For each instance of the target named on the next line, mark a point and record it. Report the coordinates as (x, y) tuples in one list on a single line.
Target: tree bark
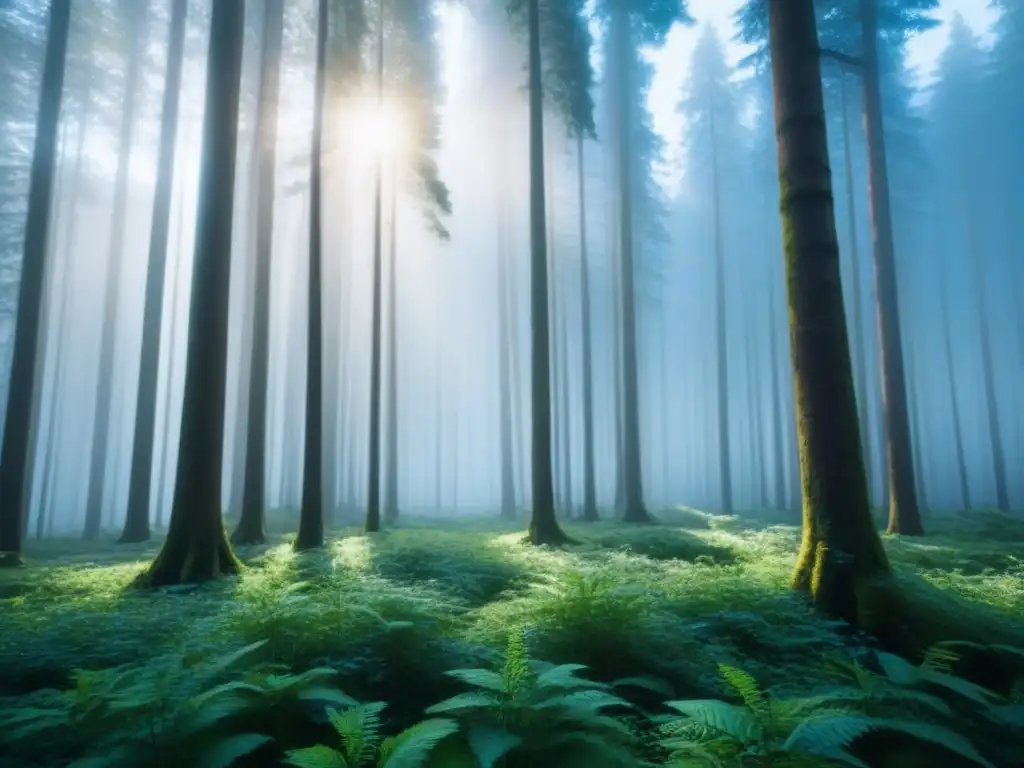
[(841, 552), (17, 434), (954, 400), (136, 524), (110, 292), (250, 529), (197, 548), (544, 527)]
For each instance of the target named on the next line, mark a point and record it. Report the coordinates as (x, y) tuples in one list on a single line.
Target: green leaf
[(465, 701), (327, 694), (737, 722), (479, 678), (824, 735), (224, 752), (899, 671), (584, 701), (412, 747), (564, 676), (316, 757), (489, 745)]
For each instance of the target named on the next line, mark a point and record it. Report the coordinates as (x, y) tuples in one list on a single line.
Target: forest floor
[(386, 616)]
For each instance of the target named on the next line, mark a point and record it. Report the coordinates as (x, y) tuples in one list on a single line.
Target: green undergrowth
[(658, 611)]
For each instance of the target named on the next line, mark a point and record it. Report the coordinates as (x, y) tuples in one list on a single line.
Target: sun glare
[(378, 128)]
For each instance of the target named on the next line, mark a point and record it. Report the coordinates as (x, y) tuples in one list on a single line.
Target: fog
[(715, 387)]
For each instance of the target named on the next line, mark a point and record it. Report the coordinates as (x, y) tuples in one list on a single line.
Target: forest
[(427, 384)]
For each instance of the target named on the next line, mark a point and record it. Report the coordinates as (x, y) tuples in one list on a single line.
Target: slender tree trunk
[(136, 524), (635, 510), (508, 490), (860, 367), (373, 490), (841, 552), (589, 481), (17, 434), (110, 292), (954, 400), (311, 517), (995, 433), (721, 337), (565, 461), (251, 528), (903, 513), (544, 527), (915, 430), (197, 548), (172, 349), (391, 478)]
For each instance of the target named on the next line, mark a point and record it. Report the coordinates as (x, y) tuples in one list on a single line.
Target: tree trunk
[(635, 510), (779, 452), (544, 527), (136, 524), (589, 481), (995, 433), (721, 336), (903, 513), (565, 461), (391, 476), (251, 529), (915, 430), (110, 292), (841, 552), (954, 400), (172, 348), (17, 435), (373, 478), (197, 548), (311, 516), (508, 480), (860, 366)]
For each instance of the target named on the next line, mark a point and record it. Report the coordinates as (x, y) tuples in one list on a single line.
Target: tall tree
[(133, 32), (250, 528), (589, 511), (311, 516), (14, 485), (391, 474), (196, 547), (136, 524), (841, 552)]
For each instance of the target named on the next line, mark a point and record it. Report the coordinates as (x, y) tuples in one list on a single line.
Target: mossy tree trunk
[(17, 438), (136, 524), (250, 528), (841, 552), (311, 515), (544, 527), (197, 548)]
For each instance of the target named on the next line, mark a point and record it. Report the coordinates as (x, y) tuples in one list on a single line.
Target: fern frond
[(225, 751), (738, 723), (936, 734), (516, 673), (465, 701), (480, 678), (939, 659), (745, 685), (316, 757), (489, 745), (564, 676), (359, 729), (412, 747)]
